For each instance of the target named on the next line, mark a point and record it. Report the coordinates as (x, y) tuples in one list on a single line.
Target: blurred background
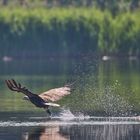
[(47, 43)]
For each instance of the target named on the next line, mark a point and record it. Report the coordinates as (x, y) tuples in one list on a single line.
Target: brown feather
[(55, 94)]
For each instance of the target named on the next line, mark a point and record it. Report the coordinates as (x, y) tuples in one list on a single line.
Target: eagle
[(43, 100)]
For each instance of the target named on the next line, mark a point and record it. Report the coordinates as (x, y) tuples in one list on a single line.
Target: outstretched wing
[(12, 85), (55, 94), (50, 95)]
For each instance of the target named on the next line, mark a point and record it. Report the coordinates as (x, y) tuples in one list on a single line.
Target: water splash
[(108, 100), (76, 120), (67, 115), (95, 92), (112, 103)]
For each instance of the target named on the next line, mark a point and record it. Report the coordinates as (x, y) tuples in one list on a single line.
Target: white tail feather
[(52, 104)]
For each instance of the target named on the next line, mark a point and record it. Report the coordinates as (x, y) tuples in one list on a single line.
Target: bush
[(69, 30)]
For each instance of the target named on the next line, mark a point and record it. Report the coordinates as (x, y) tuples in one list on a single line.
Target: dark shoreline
[(54, 55)]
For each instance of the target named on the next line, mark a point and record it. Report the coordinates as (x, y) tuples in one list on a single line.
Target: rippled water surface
[(69, 128)]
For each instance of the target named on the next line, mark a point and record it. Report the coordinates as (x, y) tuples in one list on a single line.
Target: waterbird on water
[(42, 100)]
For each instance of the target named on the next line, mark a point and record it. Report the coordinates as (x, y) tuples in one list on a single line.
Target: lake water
[(36, 127), (104, 104)]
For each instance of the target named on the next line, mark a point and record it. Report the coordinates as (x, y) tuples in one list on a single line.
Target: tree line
[(70, 30)]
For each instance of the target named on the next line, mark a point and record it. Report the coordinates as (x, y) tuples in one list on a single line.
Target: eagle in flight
[(43, 100)]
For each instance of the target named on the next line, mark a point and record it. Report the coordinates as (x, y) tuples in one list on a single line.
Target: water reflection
[(97, 91), (76, 128), (45, 133), (94, 78), (102, 132), (84, 132)]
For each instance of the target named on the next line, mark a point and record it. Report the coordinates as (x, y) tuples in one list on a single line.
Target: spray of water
[(112, 103), (95, 96), (67, 115), (100, 101)]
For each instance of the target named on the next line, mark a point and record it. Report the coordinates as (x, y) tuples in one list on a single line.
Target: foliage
[(70, 30)]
